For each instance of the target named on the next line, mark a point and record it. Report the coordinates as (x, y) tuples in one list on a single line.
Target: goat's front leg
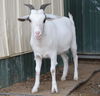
[(53, 74), (37, 76)]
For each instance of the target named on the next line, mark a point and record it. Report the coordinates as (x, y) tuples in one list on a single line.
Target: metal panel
[(75, 8), (14, 35), (24, 28), (36, 3), (86, 15), (3, 39), (11, 26), (16, 69), (91, 26)]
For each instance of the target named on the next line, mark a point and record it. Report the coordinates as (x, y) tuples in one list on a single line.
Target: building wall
[(14, 35), (86, 14)]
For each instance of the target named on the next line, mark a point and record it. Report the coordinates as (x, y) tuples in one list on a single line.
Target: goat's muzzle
[(38, 35)]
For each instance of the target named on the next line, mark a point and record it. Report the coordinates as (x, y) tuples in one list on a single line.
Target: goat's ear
[(24, 18), (51, 17), (48, 18)]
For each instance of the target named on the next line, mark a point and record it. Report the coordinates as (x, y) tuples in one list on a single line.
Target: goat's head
[(37, 19)]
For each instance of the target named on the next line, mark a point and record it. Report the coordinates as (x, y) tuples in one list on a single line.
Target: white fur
[(55, 37)]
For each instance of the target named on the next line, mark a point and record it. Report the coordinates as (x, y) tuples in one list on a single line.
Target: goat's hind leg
[(65, 68), (53, 74), (75, 58)]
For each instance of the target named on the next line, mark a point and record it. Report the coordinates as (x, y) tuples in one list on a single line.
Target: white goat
[(51, 36)]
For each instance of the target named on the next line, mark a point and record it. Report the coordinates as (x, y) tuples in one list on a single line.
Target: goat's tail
[(71, 17)]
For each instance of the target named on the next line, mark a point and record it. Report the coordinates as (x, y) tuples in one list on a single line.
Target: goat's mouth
[(38, 37)]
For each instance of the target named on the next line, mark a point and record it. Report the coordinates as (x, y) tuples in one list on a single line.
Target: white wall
[(14, 35)]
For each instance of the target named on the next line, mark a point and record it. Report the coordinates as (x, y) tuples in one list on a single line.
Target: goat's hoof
[(75, 78), (63, 78), (54, 90), (34, 90)]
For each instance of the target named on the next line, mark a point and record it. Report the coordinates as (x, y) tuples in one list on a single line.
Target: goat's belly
[(63, 46), (62, 50)]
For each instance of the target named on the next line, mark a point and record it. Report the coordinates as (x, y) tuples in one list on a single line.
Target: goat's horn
[(44, 6), (30, 6)]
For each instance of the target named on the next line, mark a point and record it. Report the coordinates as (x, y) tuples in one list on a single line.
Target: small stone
[(99, 86)]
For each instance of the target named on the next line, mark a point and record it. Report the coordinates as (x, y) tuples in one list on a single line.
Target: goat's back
[(60, 32)]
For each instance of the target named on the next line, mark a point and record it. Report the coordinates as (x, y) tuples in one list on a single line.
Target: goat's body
[(50, 39), (57, 37)]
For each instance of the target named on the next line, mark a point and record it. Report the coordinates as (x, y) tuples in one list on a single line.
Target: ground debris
[(91, 88)]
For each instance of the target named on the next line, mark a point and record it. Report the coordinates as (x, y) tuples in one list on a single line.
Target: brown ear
[(24, 18), (20, 19)]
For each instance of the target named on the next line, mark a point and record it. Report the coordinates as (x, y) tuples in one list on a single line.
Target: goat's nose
[(38, 33)]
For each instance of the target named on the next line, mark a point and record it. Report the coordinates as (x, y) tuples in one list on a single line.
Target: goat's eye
[(44, 20)]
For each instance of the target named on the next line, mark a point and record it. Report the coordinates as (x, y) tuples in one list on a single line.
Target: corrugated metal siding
[(15, 36), (3, 39), (86, 15), (91, 26), (16, 69)]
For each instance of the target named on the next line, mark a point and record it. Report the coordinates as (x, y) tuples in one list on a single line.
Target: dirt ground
[(91, 88)]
